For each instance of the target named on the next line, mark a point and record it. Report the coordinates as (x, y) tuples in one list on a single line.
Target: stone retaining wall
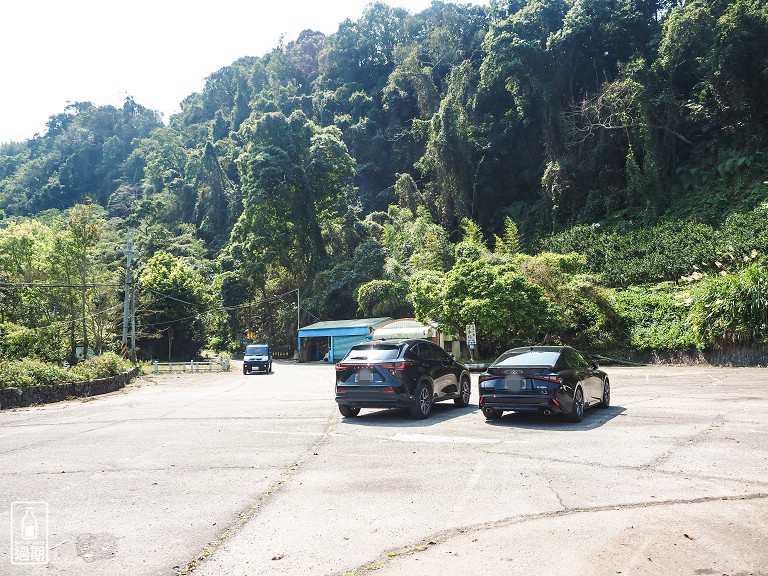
[(19, 397)]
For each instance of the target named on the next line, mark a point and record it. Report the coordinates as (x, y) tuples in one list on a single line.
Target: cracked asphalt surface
[(225, 474)]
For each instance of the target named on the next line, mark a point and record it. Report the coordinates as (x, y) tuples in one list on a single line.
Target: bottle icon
[(29, 525)]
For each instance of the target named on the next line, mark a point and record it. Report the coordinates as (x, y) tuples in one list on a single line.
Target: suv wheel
[(465, 391), (423, 405), (348, 411)]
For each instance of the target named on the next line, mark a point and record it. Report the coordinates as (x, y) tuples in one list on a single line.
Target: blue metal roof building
[(343, 334)]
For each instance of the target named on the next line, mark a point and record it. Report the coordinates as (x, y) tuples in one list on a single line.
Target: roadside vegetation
[(554, 171), (32, 372)]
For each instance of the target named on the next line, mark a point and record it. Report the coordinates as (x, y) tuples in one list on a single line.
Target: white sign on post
[(471, 335)]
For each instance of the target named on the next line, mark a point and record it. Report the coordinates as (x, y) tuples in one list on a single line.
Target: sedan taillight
[(397, 365)]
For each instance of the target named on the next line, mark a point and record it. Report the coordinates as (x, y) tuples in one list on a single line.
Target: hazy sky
[(158, 51)]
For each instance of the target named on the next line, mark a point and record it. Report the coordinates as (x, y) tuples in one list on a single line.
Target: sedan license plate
[(364, 375), (515, 383)]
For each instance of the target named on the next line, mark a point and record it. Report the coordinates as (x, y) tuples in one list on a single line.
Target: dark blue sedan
[(543, 379)]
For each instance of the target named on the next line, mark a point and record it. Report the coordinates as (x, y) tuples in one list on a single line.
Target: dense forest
[(591, 172)]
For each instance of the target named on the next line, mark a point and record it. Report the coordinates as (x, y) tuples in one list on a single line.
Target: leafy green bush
[(658, 253), (744, 236), (425, 291), (30, 372), (217, 343), (108, 364), (657, 317), (580, 239), (732, 309), (550, 270), (587, 317), (501, 302), (590, 319), (16, 341), (382, 297)]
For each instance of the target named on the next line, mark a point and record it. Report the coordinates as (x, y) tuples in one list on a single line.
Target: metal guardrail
[(190, 366)]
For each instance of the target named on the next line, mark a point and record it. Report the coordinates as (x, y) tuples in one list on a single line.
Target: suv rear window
[(527, 358), (372, 353)]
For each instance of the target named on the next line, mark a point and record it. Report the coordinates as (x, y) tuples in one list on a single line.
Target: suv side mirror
[(594, 365)]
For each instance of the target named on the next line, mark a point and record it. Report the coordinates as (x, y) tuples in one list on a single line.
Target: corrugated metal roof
[(403, 328), (403, 332), (359, 323), (402, 323)]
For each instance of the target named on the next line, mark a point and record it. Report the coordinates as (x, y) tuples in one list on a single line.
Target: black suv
[(409, 374)]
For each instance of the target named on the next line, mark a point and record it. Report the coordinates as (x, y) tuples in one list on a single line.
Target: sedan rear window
[(523, 358), (370, 353)]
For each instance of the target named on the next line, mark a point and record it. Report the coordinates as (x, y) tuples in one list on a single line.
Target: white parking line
[(421, 438)]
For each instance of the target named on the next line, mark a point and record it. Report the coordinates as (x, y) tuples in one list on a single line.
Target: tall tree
[(174, 299), (84, 227), (296, 177)]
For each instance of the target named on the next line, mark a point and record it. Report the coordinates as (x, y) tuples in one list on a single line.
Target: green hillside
[(591, 172)]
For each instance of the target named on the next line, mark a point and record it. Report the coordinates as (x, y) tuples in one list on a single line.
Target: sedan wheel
[(577, 412), (606, 401), (348, 411), (423, 405), (465, 393)]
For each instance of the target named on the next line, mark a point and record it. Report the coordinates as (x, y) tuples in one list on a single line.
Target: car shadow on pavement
[(593, 418), (400, 418)]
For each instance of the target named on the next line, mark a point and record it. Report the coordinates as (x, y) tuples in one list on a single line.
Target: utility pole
[(298, 319), (129, 306), (83, 273), (133, 322)]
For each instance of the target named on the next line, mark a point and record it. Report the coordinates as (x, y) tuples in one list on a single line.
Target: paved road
[(236, 475)]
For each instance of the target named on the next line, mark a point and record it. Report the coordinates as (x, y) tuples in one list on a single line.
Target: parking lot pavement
[(142, 481), (260, 475)]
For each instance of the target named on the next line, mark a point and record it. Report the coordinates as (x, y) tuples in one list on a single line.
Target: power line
[(220, 309), (113, 285), (63, 322), (169, 297), (51, 285)]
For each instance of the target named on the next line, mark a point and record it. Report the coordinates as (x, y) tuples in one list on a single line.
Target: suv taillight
[(553, 379)]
